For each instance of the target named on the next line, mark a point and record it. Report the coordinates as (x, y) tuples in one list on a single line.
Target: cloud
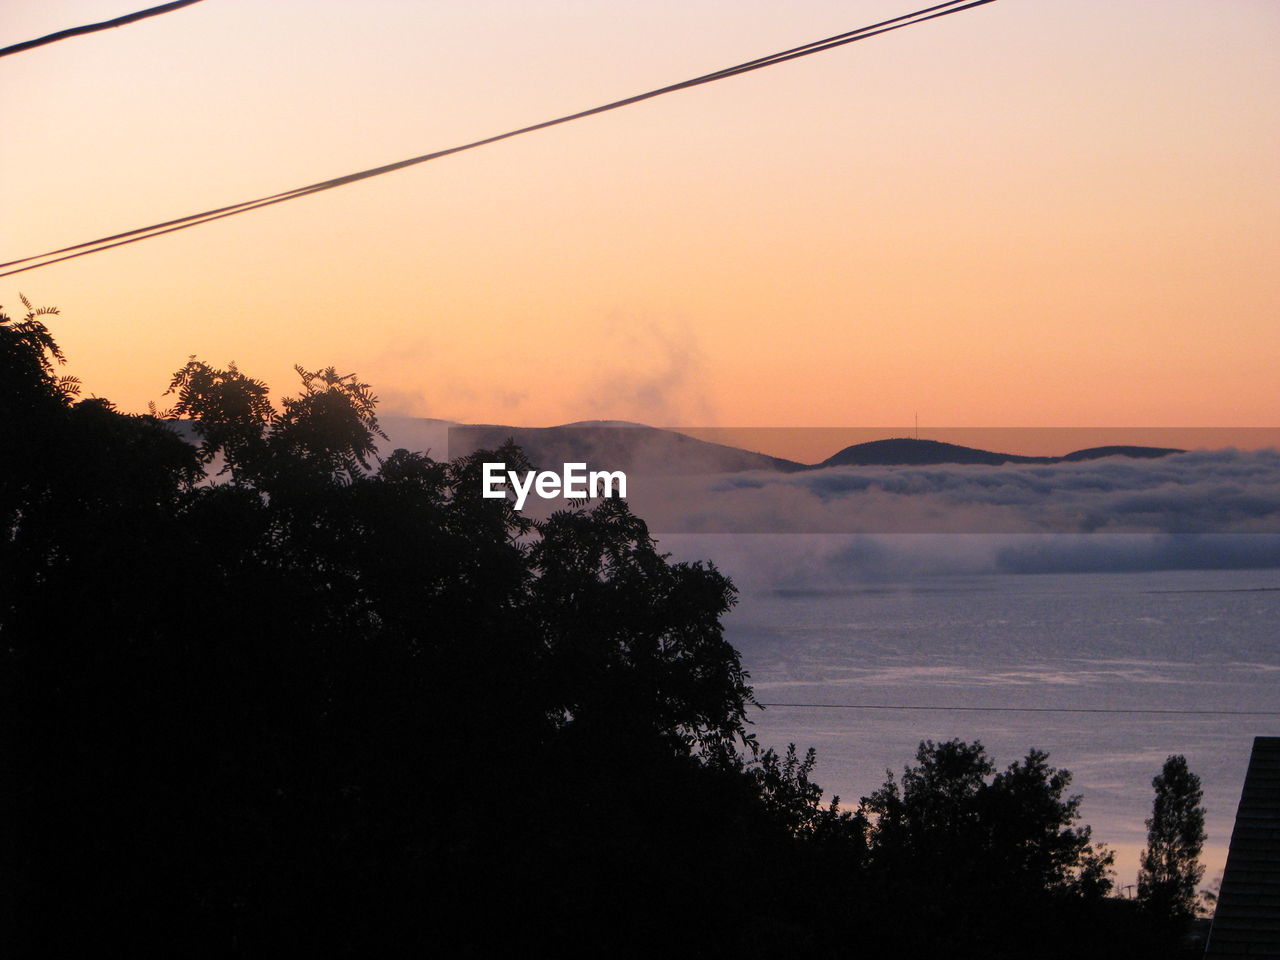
[(826, 528), (1126, 554), (654, 372), (1200, 492), (822, 562)]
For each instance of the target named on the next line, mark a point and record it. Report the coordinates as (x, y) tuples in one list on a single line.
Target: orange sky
[(1036, 213)]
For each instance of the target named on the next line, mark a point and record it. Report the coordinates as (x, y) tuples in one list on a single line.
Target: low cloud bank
[(1200, 492), (819, 562)]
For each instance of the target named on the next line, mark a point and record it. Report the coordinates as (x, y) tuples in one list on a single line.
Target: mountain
[(621, 445), (1142, 453), (616, 445), (906, 451), (635, 447)]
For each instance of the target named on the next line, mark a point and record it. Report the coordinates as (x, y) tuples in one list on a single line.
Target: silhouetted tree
[(1171, 867), (267, 691), (961, 854), (949, 813), (280, 688)]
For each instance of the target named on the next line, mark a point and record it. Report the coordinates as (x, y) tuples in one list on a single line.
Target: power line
[(95, 27), (218, 213), (1110, 710)]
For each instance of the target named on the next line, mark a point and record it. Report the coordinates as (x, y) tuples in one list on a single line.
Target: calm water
[(1170, 640)]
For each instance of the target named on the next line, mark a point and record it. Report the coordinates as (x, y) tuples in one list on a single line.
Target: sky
[(1032, 214), (1038, 214)]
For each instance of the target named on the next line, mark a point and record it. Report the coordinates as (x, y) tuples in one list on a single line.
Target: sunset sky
[(1037, 213)]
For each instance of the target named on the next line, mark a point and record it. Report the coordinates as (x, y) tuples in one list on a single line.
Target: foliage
[(37, 347), (276, 677), (1171, 867), (272, 691), (987, 857)]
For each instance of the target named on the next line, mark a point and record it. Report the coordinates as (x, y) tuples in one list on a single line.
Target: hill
[(635, 447), (617, 445), (905, 451)]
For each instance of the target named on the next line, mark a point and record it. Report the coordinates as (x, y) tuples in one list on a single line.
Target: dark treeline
[(265, 691)]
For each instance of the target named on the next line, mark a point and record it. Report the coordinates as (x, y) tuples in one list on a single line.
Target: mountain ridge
[(626, 445), (622, 445)]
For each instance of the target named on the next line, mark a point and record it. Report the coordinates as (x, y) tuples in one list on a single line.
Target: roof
[(1247, 920)]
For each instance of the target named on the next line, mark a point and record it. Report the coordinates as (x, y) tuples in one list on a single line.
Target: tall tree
[(1171, 866)]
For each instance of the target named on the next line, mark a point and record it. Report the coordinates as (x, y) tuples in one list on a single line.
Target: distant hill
[(634, 447), (1142, 453), (907, 451), (620, 445), (616, 445)]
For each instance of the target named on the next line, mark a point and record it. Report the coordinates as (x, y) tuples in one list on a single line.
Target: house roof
[(1247, 920)]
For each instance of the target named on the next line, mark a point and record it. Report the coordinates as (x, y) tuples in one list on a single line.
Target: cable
[(891, 706), (170, 226), (95, 27), (218, 213)]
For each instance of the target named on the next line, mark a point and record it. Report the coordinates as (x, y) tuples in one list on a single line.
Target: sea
[(1186, 641)]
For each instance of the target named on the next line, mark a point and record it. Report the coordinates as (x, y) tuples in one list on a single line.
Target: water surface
[(1183, 640)]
